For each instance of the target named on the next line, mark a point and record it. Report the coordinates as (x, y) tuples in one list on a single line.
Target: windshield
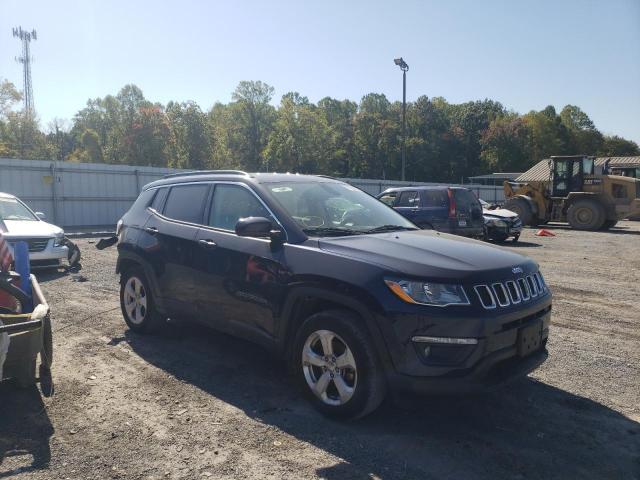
[(328, 208), (13, 209)]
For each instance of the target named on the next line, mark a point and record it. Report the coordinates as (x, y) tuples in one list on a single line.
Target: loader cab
[(568, 174)]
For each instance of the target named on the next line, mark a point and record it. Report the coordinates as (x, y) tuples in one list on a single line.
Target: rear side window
[(389, 198), (185, 202), (436, 198), (161, 193), (409, 199), (231, 203)]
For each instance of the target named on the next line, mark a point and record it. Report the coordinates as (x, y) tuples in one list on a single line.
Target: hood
[(431, 255), (30, 229), (499, 213)]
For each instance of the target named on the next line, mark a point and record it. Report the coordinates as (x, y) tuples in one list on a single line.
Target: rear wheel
[(522, 208), (336, 365), (586, 214), (136, 302)]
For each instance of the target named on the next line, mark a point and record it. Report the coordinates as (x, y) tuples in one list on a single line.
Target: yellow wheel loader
[(577, 192)]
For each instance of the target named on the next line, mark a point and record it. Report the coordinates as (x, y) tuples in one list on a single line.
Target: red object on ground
[(6, 259), (545, 233)]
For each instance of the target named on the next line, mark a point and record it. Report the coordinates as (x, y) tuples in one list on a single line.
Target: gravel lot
[(192, 403)]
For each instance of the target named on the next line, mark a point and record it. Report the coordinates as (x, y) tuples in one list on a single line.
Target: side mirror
[(259, 227), (41, 215)]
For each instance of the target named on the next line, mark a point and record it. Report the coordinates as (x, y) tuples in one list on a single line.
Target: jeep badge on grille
[(517, 270)]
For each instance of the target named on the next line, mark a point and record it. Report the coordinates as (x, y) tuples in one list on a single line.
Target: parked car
[(499, 223), (354, 296), (446, 209), (47, 244)]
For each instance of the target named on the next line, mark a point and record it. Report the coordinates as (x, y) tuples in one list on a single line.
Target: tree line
[(445, 142)]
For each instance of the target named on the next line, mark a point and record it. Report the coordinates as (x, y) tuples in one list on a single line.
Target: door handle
[(151, 230), (207, 243)]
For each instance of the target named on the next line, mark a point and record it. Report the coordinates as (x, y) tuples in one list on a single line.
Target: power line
[(25, 59)]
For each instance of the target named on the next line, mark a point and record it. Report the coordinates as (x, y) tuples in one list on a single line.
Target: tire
[(46, 353), (521, 206), (586, 214), (608, 224), (136, 302), (362, 380), (516, 238)]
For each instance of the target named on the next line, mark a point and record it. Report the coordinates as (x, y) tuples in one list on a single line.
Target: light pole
[(404, 67)]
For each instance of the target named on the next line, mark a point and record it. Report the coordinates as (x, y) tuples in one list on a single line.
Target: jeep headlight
[(428, 293), (58, 239)]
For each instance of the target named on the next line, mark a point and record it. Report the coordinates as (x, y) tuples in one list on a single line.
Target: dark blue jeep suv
[(352, 294)]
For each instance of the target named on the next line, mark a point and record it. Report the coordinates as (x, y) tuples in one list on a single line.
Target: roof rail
[(207, 172), (327, 176)]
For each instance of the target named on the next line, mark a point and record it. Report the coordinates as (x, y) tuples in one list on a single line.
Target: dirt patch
[(192, 403)]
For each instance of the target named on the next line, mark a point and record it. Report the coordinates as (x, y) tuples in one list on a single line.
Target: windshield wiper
[(331, 231), (389, 228)]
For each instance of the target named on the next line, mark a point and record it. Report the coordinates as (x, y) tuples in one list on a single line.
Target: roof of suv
[(236, 175)]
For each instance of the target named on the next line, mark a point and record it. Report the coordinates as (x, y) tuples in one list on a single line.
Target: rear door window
[(436, 198), (409, 199), (185, 202)]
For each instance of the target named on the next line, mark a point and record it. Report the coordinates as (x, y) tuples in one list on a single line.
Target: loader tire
[(586, 214), (522, 208)]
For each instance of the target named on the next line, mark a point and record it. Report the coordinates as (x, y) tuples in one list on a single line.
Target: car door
[(168, 243), (244, 278), (408, 204)]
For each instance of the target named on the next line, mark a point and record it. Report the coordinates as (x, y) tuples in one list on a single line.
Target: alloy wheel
[(329, 367), (135, 300)]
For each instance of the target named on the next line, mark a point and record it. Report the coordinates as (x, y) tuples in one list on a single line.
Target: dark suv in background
[(447, 209), (353, 295)]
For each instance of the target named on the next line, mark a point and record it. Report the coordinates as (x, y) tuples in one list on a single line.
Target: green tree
[(9, 96), (301, 138), (192, 136), (585, 138), (504, 145), (615, 146)]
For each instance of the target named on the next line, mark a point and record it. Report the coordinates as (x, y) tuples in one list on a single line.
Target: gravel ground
[(192, 403)]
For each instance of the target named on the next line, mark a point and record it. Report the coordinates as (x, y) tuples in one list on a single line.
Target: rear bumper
[(451, 226)]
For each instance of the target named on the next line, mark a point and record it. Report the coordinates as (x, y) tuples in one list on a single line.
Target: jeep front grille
[(511, 292)]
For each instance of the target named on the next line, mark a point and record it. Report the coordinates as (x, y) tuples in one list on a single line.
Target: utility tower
[(25, 59)]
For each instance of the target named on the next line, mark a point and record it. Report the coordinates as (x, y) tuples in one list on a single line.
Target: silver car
[(19, 223)]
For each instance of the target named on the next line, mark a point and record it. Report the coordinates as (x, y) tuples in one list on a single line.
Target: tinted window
[(156, 204), (409, 199), (436, 198), (231, 203), (465, 199), (185, 202), (389, 198)]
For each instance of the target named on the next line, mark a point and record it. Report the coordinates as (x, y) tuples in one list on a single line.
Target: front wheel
[(586, 214), (337, 367), (136, 302)]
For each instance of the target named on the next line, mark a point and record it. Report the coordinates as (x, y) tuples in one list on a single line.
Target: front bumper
[(494, 360), (510, 230), (50, 256)]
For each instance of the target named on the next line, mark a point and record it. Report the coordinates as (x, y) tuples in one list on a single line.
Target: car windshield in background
[(328, 208), (12, 209)]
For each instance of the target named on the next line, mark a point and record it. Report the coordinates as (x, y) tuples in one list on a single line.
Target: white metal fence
[(89, 195)]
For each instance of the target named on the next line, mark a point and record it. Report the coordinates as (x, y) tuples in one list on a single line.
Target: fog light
[(445, 340)]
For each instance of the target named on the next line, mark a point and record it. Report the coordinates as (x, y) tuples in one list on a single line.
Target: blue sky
[(524, 54)]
